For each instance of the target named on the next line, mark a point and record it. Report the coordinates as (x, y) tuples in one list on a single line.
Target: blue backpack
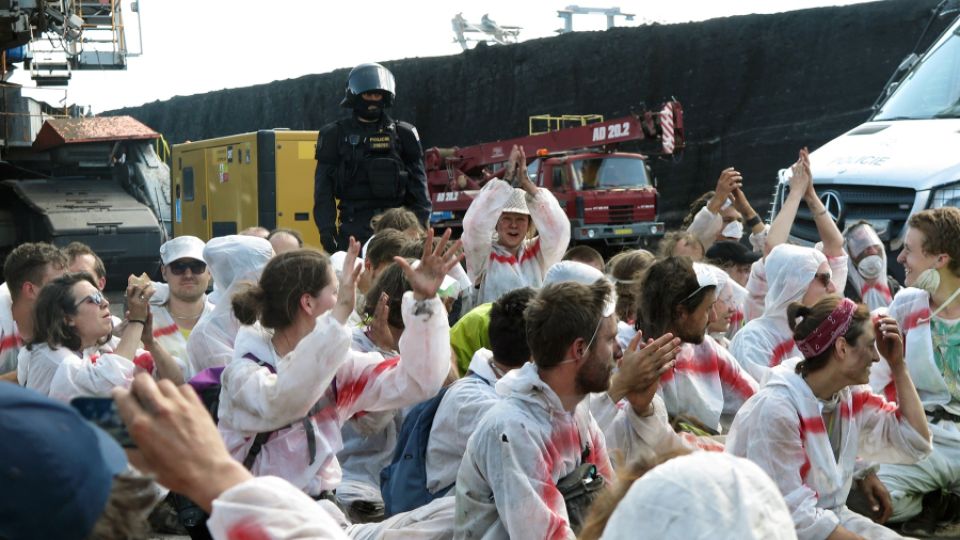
[(403, 483)]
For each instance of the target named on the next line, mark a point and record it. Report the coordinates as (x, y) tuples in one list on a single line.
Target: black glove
[(329, 241)]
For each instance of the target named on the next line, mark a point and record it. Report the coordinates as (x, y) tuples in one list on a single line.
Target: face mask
[(362, 109), (734, 229), (871, 267), (929, 280)]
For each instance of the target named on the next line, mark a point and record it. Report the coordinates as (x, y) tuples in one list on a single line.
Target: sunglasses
[(179, 267), (823, 278), (96, 299)]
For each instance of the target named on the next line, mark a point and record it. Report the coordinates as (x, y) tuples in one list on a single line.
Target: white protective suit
[(908, 483), (507, 482), (458, 415), (369, 440), (767, 341), (10, 340), (63, 374), (496, 269), (269, 507), (233, 260), (706, 226), (706, 384), (167, 332), (702, 496), (322, 377), (875, 293), (781, 428)]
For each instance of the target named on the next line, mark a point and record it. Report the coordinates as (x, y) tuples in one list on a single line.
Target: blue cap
[(56, 469)]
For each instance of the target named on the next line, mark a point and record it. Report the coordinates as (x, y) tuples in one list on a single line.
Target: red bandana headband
[(829, 330)]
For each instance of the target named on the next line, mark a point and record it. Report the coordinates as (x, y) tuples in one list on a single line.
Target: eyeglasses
[(179, 267), (823, 278), (96, 299)]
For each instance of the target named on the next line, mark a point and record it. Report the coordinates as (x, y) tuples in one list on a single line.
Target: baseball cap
[(732, 252), (56, 468), (517, 204), (182, 247)]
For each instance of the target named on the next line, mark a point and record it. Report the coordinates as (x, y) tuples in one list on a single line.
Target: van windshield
[(609, 172), (932, 89)]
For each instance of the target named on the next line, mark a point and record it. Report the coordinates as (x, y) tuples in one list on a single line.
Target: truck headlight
[(948, 195)]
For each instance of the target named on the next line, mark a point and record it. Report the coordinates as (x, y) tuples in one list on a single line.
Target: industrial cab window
[(188, 187)]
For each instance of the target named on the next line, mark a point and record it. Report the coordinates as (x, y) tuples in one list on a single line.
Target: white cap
[(580, 273), (336, 260), (182, 247), (517, 204)]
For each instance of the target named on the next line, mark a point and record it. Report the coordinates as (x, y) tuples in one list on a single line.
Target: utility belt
[(942, 414)]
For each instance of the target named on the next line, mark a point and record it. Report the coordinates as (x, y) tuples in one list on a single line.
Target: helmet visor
[(371, 78)]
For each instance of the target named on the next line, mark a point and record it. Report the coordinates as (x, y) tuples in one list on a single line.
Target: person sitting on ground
[(867, 279), (729, 314), (722, 214), (788, 274), (585, 254), (293, 380), (284, 240), (67, 356), (381, 249), (63, 477), (626, 270), (499, 255), (810, 423), (468, 400), (175, 316), (260, 232), (27, 269), (398, 219), (706, 386), (680, 244), (724, 498), (234, 260), (925, 495), (542, 431), (733, 258)]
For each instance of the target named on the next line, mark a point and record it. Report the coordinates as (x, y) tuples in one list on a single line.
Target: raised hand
[(801, 181), (729, 181), (138, 301), (889, 341), (378, 330), (347, 292), (435, 262)]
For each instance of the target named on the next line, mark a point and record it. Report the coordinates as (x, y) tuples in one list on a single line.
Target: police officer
[(369, 162)]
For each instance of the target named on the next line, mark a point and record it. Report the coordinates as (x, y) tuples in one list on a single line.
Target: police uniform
[(368, 167)]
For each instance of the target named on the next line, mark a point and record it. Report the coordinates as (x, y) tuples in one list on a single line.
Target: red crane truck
[(610, 197)]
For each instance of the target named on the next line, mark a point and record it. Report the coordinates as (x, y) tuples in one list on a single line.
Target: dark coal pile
[(755, 88)]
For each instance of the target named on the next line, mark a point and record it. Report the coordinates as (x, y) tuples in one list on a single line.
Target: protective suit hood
[(789, 271), (233, 258)]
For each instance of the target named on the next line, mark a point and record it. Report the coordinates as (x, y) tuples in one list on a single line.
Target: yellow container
[(222, 186)]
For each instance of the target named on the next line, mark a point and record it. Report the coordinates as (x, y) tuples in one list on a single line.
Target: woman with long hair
[(72, 354), (807, 426), (293, 380)]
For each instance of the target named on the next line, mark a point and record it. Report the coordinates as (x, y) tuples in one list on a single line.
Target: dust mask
[(734, 229), (871, 267), (929, 280)]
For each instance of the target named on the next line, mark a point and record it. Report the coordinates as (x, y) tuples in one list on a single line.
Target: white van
[(906, 158)]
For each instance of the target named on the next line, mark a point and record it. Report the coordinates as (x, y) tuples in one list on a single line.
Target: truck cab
[(904, 159), (609, 197)]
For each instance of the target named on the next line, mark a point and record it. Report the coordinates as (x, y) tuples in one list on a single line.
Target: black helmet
[(369, 78)]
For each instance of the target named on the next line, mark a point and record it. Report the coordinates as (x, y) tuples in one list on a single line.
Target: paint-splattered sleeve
[(552, 225), (367, 382), (479, 224)]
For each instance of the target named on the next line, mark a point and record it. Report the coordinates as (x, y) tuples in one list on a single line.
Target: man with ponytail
[(926, 494), (808, 425)]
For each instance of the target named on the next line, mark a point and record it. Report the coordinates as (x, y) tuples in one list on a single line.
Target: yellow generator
[(225, 185)]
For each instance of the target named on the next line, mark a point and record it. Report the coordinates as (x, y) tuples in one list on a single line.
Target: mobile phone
[(103, 413)]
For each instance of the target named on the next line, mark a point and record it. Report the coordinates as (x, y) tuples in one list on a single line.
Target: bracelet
[(820, 213), (137, 320), (754, 221)]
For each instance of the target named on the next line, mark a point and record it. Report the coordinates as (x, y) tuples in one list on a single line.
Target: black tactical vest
[(371, 168)]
